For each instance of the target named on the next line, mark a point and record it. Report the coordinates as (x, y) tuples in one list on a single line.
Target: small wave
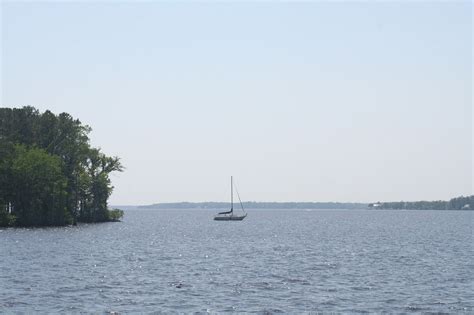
[(11, 304), (298, 281), (414, 308), (272, 311), (263, 285), (362, 288)]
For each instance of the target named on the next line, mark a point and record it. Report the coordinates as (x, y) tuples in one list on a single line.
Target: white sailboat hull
[(230, 217)]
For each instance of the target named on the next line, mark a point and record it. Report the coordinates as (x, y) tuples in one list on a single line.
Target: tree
[(49, 173), (39, 188), (98, 167)]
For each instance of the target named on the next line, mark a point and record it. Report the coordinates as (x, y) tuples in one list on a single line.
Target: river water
[(289, 261)]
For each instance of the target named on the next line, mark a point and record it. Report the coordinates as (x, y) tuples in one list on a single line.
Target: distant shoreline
[(256, 205), (149, 208), (459, 203)]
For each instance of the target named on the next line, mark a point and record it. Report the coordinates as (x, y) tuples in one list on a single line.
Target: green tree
[(39, 184), (49, 173), (99, 187)]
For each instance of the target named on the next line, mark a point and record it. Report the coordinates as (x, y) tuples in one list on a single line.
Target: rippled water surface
[(288, 261)]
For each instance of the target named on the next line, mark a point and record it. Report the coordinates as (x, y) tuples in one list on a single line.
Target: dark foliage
[(459, 203), (49, 173)]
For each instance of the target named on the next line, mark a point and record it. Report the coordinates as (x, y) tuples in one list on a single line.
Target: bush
[(115, 214), (7, 219)]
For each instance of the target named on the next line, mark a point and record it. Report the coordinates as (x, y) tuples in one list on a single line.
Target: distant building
[(466, 207), (375, 205)]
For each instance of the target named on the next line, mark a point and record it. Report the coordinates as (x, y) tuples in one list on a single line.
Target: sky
[(299, 101)]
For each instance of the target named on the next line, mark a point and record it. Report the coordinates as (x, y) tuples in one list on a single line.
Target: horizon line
[(252, 201)]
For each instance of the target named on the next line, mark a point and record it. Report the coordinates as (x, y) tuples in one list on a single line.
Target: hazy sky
[(312, 101)]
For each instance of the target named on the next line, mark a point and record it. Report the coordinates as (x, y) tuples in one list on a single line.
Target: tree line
[(458, 203), (258, 205), (49, 173)]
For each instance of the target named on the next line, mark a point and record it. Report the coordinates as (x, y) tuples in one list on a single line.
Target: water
[(273, 261)]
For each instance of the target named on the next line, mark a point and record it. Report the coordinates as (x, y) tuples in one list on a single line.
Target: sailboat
[(229, 215)]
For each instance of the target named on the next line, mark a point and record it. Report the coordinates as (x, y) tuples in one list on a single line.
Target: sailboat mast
[(231, 195)]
